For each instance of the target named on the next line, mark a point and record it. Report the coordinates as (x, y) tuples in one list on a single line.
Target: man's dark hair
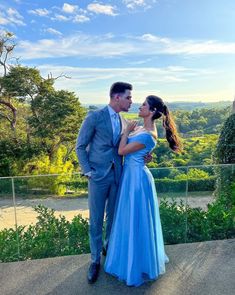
[(119, 87)]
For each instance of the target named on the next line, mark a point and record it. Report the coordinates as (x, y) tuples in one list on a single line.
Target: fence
[(183, 193)]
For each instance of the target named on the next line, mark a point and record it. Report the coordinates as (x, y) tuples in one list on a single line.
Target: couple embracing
[(112, 154)]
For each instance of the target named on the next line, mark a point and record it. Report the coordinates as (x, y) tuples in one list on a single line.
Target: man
[(97, 151)]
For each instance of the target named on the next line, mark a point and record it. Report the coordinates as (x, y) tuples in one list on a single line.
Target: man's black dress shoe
[(93, 272)]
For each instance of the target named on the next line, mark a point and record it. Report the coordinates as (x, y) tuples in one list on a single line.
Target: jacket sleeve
[(85, 136)]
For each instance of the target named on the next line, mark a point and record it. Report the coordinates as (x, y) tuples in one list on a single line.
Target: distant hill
[(179, 105)]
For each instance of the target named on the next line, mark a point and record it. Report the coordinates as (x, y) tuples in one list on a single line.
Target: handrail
[(157, 168)]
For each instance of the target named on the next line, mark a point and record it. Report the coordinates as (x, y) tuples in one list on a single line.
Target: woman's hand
[(130, 126)]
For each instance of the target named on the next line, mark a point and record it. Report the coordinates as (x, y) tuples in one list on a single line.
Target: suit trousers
[(101, 199)]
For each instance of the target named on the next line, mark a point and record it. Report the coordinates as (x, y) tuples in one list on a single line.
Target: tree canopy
[(35, 118)]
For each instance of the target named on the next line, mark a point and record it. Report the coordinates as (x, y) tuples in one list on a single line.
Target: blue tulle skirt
[(136, 250)]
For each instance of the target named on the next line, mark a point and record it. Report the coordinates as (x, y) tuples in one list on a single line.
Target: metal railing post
[(186, 205), (16, 226)]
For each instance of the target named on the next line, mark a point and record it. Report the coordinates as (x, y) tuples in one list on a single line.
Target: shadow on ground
[(197, 268)]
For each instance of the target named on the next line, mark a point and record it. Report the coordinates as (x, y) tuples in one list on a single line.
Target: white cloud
[(109, 46), (40, 12), (80, 18), (153, 38), (92, 84), (53, 32), (203, 47), (75, 45), (68, 8), (12, 17), (102, 9), (140, 62), (61, 17), (3, 20), (134, 4), (158, 45), (84, 76)]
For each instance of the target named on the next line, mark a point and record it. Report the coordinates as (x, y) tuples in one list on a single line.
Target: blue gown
[(136, 249)]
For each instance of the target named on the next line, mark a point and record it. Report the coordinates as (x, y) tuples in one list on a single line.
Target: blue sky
[(177, 49)]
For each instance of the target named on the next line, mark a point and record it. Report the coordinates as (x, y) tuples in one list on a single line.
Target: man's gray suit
[(97, 153)]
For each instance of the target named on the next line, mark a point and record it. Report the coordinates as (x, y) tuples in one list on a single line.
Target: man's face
[(124, 100)]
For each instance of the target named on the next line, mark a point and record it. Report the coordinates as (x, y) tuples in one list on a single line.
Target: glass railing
[(47, 215)]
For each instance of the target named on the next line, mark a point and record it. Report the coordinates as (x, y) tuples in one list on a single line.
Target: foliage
[(49, 237), (44, 166), (35, 118), (56, 116), (195, 122), (46, 119), (52, 236), (8, 111), (193, 173), (14, 155), (182, 223), (179, 179), (173, 220), (179, 185), (77, 183), (225, 154), (225, 149), (201, 121), (196, 151), (25, 83)]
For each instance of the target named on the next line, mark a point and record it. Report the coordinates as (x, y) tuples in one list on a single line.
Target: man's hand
[(88, 175), (148, 158)]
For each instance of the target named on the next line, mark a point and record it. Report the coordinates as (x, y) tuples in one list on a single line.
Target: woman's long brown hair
[(157, 105)]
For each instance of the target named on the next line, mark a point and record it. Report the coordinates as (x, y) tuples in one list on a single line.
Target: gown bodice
[(137, 158)]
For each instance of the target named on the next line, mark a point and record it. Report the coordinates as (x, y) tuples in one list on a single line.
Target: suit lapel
[(122, 128), (107, 122)]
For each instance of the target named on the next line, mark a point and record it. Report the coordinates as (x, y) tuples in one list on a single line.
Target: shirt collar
[(111, 111)]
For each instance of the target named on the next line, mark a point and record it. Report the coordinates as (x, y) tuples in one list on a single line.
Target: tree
[(225, 150), (225, 154), (46, 119), (7, 109), (56, 118)]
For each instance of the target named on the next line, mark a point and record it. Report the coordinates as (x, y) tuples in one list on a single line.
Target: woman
[(136, 249)]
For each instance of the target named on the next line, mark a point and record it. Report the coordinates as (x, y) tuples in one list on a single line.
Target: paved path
[(26, 214), (195, 269)]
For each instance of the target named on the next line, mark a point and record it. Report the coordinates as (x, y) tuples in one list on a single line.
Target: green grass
[(130, 116)]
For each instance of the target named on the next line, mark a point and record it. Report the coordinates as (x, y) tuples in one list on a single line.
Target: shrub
[(193, 173), (225, 154), (52, 236), (194, 185), (182, 223), (173, 220), (49, 237), (5, 186), (43, 165)]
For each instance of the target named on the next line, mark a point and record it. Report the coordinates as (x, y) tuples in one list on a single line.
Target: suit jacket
[(95, 148)]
